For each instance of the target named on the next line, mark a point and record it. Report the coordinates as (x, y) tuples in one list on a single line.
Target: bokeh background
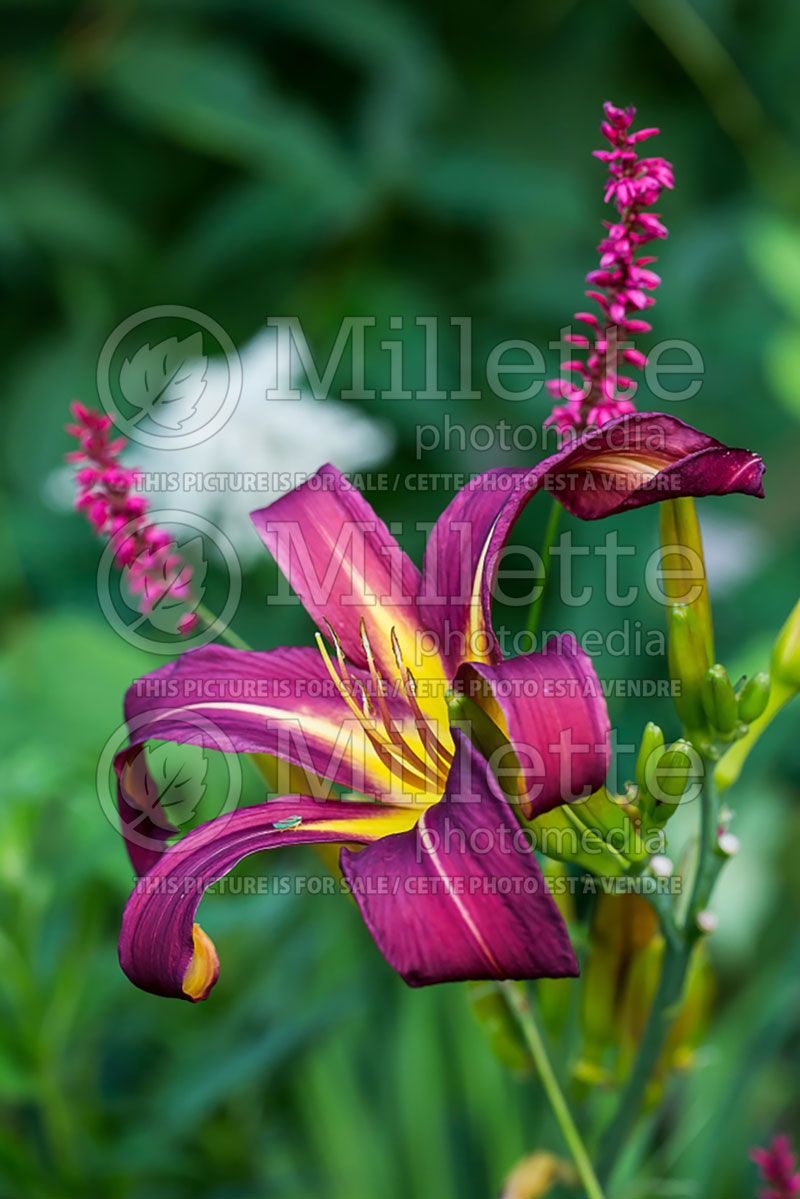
[(266, 157)]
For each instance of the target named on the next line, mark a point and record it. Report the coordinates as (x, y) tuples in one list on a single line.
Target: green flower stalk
[(764, 697)]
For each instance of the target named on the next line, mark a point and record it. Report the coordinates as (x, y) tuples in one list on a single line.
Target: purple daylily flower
[(432, 851)]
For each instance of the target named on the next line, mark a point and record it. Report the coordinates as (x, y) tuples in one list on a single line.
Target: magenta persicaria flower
[(428, 814), (597, 389), (778, 1166), (105, 493)]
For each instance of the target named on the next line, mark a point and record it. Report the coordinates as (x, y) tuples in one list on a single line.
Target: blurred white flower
[(734, 550), (280, 442)]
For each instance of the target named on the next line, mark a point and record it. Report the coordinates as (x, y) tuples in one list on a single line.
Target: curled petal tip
[(203, 970)]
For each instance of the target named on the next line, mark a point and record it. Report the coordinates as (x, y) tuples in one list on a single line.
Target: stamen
[(427, 732), (393, 732), (425, 769), (392, 756)]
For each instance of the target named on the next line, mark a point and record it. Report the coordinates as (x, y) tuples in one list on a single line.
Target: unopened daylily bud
[(683, 564), (671, 776), (597, 834), (754, 697), (635, 1000), (649, 752), (622, 927), (688, 663), (719, 701), (786, 654), (687, 1030)]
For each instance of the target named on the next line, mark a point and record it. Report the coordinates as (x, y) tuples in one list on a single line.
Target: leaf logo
[(173, 788), (167, 611), (165, 382), (167, 607)]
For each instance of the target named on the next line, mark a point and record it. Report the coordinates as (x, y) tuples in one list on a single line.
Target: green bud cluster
[(663, 773), (710, 709)]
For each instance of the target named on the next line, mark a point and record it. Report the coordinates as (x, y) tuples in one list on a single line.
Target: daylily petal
[(281, 702), (632, 461), (646, 457), (161, 949), (145, 826), (347, 568), (461, 895), (552, 709)]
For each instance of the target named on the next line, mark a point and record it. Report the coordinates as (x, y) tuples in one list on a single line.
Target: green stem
[(550, 533), (216, 626), (520, 1005), (680, 941), (708, 862)]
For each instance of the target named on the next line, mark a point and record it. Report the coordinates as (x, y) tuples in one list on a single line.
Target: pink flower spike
[(80, 412), (620, 284), (105, 494), (778, 1166)]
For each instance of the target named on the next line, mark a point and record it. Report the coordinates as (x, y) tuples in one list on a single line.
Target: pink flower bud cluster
[(105, 494), (778, 1166), (595, 390)]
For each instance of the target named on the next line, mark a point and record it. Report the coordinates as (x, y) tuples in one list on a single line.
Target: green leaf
[(60, 213), (213, 97)]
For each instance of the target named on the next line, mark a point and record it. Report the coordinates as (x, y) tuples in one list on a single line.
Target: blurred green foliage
[(272, 157)]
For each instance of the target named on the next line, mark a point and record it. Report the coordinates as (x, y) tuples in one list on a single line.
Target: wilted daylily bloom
[(432, 850)]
